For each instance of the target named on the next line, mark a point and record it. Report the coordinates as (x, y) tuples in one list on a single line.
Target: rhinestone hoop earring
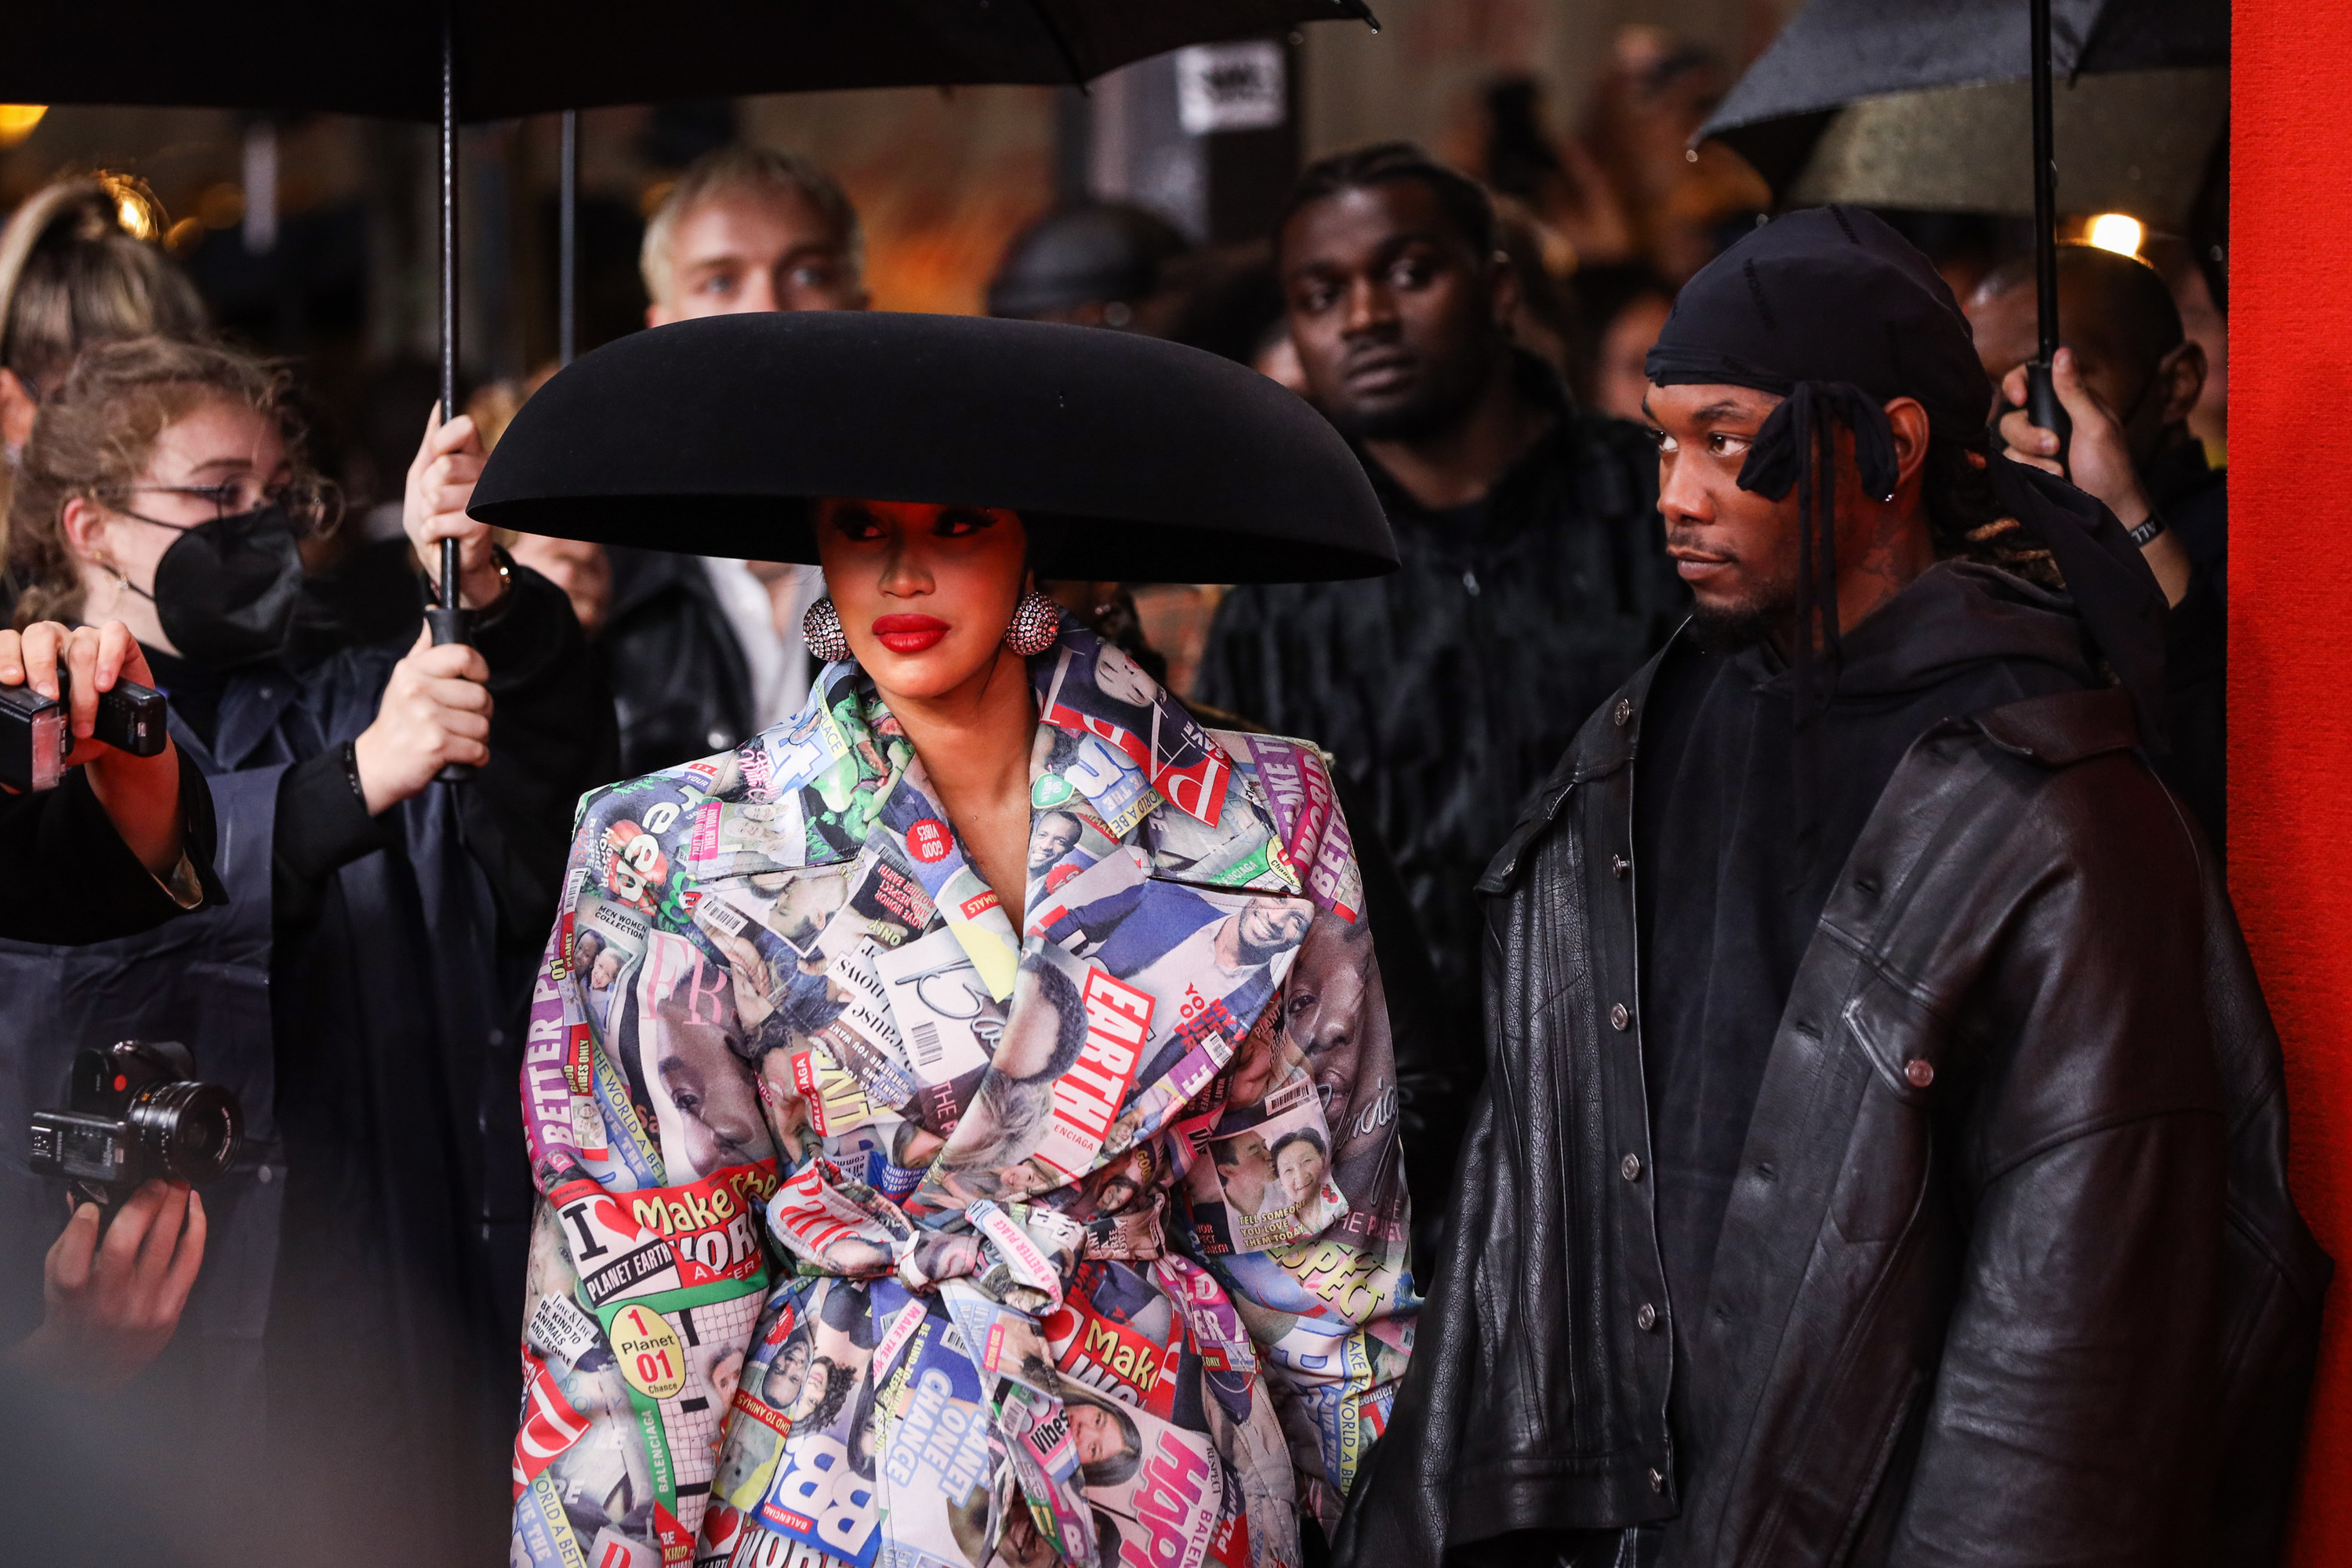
[(820, 629), (1036, 624)]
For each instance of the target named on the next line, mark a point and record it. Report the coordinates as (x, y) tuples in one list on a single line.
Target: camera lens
[(187, 1131)]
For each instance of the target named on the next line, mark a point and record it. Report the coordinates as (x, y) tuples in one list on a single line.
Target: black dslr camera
[(36, 733), (136, 1113)]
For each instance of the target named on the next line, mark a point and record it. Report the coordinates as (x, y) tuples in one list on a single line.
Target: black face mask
[(226, 590)]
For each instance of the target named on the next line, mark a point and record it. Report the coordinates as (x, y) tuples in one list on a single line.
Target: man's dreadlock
[(1966, 524)]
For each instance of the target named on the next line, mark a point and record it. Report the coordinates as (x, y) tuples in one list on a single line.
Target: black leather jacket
[(2010, 1274), (680, 687), (1446, 691)]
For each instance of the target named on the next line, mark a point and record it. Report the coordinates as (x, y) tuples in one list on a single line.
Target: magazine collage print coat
[(873, 1231)]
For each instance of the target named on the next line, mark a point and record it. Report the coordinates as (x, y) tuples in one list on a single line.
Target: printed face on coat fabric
[(1053, 835), (1122, 679), (755, 248), (1046, 1028), (1299, 1163), (818, 1392), (925, 592), (1116, 1195), (1246, 1170), (801, 914), (1265, 928), (722, 1368), (1324, 1012), (1398, 320), (1108, 1444), (788, 1378), (1043, 1036), (688, 1044)]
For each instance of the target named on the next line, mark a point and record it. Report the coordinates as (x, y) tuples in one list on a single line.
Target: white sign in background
[(1230, 87)]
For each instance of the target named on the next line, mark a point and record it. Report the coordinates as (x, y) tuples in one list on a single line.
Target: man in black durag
[(1882, 1155)]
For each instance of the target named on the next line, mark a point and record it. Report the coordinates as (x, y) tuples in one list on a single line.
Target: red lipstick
[(909, 634)]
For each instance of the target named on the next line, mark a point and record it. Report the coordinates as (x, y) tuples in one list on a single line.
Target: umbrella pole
[(446, 618), (2042, 393), (567, 244)]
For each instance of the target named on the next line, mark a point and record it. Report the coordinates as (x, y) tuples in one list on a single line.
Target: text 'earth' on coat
[(871, 1224)]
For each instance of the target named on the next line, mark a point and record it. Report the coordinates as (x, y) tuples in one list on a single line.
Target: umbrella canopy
[(1167, 463), (493, 61), (1841, 52), (2139, 143), (529, 57)]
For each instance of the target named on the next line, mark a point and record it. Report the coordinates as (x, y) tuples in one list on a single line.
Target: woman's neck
[(106, 597), (974, 741)]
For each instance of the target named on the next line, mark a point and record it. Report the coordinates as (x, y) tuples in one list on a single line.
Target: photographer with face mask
[(354, 992)]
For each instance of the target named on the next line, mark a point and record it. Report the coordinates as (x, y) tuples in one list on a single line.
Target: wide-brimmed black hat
[(1157, 462)]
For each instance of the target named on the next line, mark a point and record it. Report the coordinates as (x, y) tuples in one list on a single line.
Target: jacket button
[(1920, 1071), (1623, 713), (1619, 1019), (1619, 865), (1657, 1480), (1632, 1166), (1646, 1317)]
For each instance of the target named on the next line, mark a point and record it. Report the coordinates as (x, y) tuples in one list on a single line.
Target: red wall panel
[(2290, 631)]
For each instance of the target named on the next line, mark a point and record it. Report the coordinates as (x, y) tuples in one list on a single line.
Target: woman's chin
[(934, 671)]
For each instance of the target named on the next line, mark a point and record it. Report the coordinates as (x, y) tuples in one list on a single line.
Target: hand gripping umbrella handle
[(2041, 407), (448, 624)]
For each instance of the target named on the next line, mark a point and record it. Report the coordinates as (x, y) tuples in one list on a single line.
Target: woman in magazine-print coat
[(898, 1214)]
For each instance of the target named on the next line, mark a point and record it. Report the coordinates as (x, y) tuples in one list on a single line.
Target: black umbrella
[(1838, 51), (1146, 460), (535, 57), (497, 61)]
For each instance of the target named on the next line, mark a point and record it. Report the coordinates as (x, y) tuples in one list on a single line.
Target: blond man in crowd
[(702, 652)]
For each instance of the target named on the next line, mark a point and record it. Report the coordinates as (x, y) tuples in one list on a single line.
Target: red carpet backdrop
[(2291, 635)]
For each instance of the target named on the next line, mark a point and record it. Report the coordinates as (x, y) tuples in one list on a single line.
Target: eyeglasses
[(309, 503)]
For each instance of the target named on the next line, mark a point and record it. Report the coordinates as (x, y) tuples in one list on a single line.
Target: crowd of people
[(1839, 1194)]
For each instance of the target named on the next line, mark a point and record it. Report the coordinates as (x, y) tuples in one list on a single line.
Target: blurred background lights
[(2114, 231), (18, 120), (134, 203)]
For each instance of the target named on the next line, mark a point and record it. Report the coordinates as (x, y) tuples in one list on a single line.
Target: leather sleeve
[(68, 878), (2074, 1410), (551, 739)]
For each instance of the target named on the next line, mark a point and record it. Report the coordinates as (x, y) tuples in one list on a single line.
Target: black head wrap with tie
[(1837, 314)]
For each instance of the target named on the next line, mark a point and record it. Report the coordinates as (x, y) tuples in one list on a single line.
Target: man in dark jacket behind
[(1882, 1154), (2128, 375), (1533, 581)]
